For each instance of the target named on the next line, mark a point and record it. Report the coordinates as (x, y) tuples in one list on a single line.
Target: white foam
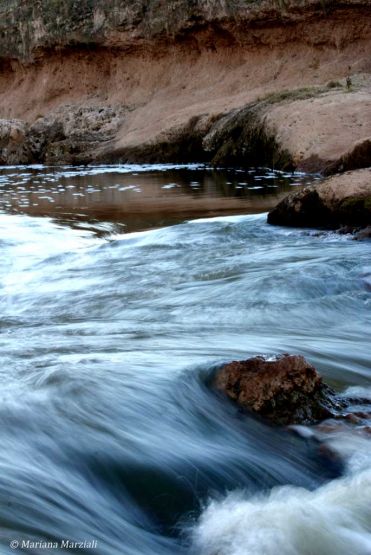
[(135, 169), (358, 392), (334, 520), (231, 219)]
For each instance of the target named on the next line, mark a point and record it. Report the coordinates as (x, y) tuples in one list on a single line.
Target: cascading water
[(109, 431)]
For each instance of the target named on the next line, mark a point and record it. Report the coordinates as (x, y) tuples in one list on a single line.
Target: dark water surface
[(141, 197), (108, 429)]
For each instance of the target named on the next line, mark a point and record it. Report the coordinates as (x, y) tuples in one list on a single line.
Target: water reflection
[(141, 197)]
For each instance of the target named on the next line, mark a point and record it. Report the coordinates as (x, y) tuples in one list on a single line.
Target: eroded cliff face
[(279, 83)]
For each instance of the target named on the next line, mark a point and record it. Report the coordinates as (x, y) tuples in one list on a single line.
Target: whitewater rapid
[(109, 430), (334, 519)]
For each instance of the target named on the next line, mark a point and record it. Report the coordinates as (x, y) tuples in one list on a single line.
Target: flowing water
[(116, 306)]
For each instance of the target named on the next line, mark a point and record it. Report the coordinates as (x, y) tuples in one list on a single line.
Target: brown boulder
[(340, 200), (285, 390)]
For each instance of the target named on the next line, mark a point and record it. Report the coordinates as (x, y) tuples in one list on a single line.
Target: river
[(122, 288)]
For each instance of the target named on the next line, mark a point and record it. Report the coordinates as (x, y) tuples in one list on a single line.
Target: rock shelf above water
[(341, 200)]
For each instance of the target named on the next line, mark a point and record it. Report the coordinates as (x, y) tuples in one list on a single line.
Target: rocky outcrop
[(363, 234), (341, 200), (286, 84), (13, 148), (285, 390), (71, 134)]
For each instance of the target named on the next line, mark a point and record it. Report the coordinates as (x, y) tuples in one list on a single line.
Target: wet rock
[(285, 390), (353, 419), (363, 234), (341, 200), (345, 230)]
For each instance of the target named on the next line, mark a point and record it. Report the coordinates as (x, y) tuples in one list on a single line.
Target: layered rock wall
[(227, 81)]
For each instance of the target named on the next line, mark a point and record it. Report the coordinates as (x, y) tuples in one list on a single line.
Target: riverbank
[(285, 85)]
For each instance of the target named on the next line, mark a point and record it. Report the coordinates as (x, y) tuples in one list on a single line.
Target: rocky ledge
[(339, 202), (284, 390)]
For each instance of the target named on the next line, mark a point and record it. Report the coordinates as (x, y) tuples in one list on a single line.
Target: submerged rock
[(341, 200), (285, 390)]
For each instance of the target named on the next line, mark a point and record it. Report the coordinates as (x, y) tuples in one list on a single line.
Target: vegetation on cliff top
[(26, 27)]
